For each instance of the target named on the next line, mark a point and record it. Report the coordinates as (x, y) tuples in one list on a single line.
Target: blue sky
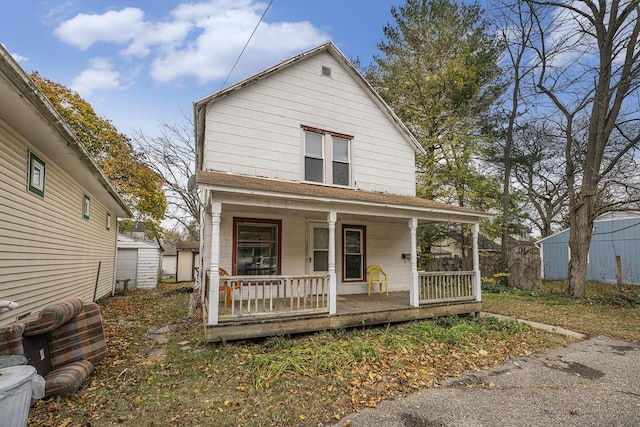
[(139, 62)]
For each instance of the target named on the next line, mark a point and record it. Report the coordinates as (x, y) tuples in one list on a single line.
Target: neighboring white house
[(307, 178), (139, 262), (58, 212)]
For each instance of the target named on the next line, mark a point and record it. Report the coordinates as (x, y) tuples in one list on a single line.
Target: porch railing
[(445, 286), (272, 295)]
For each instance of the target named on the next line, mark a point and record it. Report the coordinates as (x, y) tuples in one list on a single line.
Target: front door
[(318, 259)]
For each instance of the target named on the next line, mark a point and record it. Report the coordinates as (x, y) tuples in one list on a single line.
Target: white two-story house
[(307, 178)]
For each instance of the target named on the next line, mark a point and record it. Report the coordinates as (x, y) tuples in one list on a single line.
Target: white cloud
[(157, 36), (84, 30), (212, 54), (200, 40), (100, 76)]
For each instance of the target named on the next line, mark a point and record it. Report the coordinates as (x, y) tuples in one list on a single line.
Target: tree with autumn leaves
[(139, 186)]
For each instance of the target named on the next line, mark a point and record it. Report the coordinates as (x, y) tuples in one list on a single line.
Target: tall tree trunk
[(581, 225)]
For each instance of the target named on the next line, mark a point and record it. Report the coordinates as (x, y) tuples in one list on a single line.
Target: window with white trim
[(327, 157), (353, 252), (86, 207), (36, 175)]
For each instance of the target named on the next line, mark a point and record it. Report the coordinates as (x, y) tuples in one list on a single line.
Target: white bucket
[(15, 395)]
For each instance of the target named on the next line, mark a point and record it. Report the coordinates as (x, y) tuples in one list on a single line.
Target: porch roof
[(239, 184)]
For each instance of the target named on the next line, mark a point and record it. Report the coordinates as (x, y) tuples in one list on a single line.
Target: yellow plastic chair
[(375, 275)]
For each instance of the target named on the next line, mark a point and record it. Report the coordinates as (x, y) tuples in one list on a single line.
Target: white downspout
[(11, 305), (541, 260)]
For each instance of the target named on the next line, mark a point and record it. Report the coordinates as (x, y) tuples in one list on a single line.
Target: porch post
[(214, 286), (414, 292), (331, 294), (475, 228)]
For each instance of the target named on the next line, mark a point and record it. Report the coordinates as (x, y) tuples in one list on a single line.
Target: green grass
[(608, 309)]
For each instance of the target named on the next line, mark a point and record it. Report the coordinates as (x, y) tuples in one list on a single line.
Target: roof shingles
[(276, 187)]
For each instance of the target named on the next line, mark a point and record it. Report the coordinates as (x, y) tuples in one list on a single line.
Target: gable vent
[(326, 71)]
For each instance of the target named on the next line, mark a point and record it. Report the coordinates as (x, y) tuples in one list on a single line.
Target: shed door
[(127, 266)]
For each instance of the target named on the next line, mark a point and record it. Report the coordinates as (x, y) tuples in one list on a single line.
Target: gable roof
[(128, 242), (29, 112), (199, 107)]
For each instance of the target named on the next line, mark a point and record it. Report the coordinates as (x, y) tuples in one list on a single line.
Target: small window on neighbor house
[(86, 207), (108, 225), (326, 71), (36, 175)]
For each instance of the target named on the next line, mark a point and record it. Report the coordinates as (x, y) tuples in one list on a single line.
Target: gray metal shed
[(613, 235)]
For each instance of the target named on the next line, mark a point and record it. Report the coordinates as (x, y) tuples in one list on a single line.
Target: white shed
[(137, 261)]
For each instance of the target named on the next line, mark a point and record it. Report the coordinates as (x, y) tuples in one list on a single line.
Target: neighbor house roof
[(187, 245), (131, 242), (200, 105), (270, 187), (28, 111)]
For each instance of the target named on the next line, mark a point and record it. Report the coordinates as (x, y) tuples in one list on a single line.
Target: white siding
[(148, 260), (385, 244), (186, 262), (139, 262), (256, 131), (48, 252), (169, 265)]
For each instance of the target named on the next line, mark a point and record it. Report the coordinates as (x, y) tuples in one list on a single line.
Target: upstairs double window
[(327, 157)]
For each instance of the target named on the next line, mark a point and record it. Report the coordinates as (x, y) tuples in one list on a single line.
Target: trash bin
[(15, 394)]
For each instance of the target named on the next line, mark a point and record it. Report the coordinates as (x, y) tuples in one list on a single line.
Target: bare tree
[(516, 27), (538, 166), (171, 155), (589, 71)]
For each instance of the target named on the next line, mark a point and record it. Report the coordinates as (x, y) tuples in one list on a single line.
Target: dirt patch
[(154, 354)]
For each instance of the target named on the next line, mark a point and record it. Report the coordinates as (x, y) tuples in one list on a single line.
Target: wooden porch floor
[(351, 311)]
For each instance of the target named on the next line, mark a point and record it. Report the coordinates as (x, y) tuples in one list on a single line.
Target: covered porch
[(308, 269)]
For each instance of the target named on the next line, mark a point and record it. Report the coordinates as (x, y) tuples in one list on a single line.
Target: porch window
[(327, 157), (353, 250), (256, 246), (320, 249)]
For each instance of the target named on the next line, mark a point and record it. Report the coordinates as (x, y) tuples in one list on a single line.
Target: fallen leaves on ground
[(307, 380)]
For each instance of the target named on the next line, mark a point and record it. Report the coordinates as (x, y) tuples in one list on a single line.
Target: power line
[(246, 44)]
